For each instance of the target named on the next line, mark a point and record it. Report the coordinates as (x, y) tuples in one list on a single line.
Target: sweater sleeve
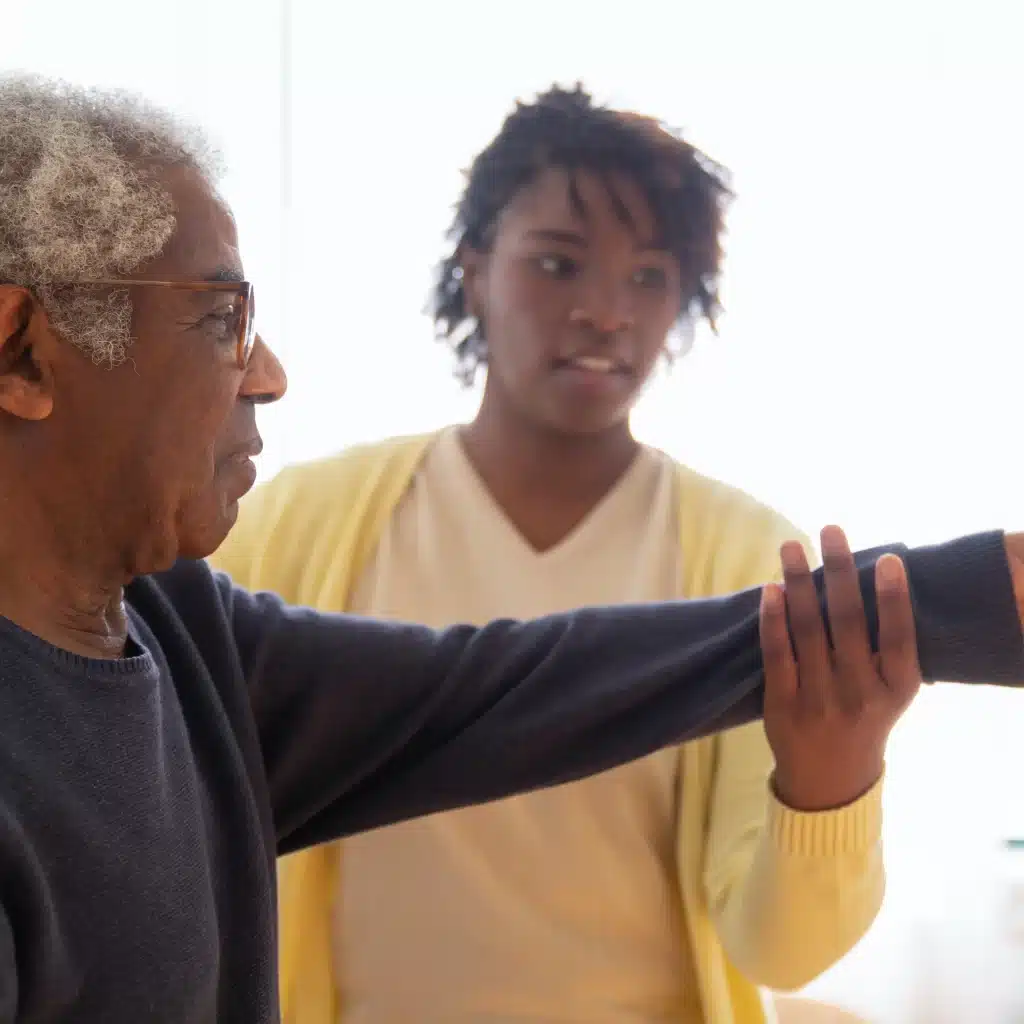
[(790, 893), (364, 723), (8, 973)]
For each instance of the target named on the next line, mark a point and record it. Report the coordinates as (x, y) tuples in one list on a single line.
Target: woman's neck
[(545, 481)]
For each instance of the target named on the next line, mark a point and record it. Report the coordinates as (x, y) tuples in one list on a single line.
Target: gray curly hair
[(81, 199)]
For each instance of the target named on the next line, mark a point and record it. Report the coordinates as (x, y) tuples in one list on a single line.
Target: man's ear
[(26, 377)]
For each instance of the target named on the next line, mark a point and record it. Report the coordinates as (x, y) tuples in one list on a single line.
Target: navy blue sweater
[(143, 801)]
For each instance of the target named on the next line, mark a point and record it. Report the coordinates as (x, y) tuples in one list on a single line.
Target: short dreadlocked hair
[(563, 128)]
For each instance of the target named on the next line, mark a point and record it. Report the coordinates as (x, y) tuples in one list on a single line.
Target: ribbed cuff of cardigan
[(852, 829)]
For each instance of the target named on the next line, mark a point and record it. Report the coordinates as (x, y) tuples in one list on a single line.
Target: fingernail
[(890, 572), (833, 541), (771, 596), (792, 554)]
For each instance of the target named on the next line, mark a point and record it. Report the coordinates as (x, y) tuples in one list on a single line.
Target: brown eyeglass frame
[(246, 322)]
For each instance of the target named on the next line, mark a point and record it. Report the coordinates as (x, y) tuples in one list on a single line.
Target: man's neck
[(71, 603)]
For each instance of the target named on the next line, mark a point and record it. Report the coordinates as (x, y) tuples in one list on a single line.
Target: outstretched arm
[(365, 723)]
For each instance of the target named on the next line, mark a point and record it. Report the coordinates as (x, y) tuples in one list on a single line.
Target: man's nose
[(265, 380)]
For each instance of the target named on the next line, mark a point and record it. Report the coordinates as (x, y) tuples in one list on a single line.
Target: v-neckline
[(591, 520)]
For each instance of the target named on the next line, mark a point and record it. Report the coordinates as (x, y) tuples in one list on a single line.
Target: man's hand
[(828, 711), (1015, 554)]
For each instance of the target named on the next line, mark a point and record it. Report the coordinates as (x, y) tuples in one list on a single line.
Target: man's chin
[(203, 541)]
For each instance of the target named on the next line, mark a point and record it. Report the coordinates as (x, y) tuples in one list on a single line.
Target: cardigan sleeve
[(789, 893)]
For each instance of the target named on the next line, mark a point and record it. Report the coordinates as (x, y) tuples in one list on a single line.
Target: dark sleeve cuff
[(968, 626)]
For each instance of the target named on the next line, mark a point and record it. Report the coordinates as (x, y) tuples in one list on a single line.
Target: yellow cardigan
[(775, 893)]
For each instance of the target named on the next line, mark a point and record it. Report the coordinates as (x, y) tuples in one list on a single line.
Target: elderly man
[(166, 735)]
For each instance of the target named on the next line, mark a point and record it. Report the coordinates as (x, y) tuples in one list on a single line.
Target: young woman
[(587, 242)]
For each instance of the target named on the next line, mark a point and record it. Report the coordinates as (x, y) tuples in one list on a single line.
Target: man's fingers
[(810, 642), (1015, 555), (851, 647), (780, 672), (897, 637)]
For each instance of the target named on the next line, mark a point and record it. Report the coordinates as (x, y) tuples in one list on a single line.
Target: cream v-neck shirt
[(558, 906)]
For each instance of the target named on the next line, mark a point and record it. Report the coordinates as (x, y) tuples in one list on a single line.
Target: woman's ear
[(26, 377), (474, 272)]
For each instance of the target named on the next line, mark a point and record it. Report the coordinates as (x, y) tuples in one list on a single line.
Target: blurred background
[(871, 360)]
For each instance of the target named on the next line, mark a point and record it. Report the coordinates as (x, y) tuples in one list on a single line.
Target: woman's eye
[(557, 266), (650, 277)]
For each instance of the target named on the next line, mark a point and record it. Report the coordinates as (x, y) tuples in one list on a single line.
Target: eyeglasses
[(246, 326)]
